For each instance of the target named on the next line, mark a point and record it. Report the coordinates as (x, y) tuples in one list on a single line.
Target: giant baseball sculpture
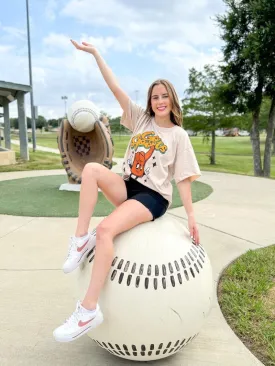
[(85, 137), (158, 293)]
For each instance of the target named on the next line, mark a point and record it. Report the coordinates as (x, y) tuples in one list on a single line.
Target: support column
[(7, 125), (22, 122)]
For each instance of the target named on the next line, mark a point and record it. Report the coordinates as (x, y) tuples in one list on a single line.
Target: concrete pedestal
[(7, 157), (72, 187)]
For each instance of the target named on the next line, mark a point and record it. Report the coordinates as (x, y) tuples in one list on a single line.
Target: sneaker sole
[(98, 320)]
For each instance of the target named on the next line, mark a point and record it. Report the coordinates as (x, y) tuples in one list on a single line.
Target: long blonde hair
[(176, 114)]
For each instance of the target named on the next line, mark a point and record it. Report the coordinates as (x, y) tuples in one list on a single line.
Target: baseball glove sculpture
[(79, 148)]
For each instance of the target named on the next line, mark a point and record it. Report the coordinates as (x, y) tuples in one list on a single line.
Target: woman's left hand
[(193, 229)]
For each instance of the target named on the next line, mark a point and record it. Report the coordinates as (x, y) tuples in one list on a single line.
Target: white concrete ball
[(158, 292), (82, 115)]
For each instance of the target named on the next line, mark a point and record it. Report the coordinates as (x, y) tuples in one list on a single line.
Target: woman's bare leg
[(129, 214), (112, 185)]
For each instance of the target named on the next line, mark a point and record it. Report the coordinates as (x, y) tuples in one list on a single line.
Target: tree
[(103, 113), (248, 30), (29, 122), (116, 127), (203, 107), (41, 122), (14, 123), (53, 122), (244, 121)]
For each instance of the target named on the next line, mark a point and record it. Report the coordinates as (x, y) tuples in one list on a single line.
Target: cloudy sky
[(141, 40)]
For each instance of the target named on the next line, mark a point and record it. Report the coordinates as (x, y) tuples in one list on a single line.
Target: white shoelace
[(72, 246), (75, 317)]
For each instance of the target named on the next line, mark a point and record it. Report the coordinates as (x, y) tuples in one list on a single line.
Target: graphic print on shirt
[(139, 160)]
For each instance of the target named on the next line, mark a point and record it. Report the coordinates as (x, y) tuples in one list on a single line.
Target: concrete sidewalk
[(36, 295), (39, 148)]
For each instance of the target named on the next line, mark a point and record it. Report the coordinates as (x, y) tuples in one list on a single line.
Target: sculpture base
[(7, 157), (72, 187)]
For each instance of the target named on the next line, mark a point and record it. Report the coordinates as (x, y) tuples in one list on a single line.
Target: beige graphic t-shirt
[(157, 155)]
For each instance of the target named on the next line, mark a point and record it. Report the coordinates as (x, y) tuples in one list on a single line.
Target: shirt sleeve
[(130, 117), (186, 165)]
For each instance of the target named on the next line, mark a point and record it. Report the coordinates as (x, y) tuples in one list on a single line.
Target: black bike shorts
[(151, 199)]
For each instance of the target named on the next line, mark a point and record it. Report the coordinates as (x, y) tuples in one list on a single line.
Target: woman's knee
[(91, 169), (104, 231)]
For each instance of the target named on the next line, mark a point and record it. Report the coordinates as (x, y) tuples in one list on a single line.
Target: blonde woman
[(158, 152)]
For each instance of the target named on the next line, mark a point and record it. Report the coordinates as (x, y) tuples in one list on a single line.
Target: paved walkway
[(36, 295), (40, 148)]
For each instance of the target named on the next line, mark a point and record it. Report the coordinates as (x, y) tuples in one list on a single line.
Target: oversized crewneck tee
[(157, 155)]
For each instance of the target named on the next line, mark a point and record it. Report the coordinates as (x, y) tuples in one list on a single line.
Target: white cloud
[(13, 66), (51, 9), (148, 22), (103, 44), (95, 12), (178, 61), (74, 74), (5, 49), (15, 32), (58, 41), (188, 55), (176, 48), (39, 75), (177, 35), (170, 36)]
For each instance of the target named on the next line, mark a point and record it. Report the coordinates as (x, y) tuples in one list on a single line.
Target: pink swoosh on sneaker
[(82, 324), (79, 249)]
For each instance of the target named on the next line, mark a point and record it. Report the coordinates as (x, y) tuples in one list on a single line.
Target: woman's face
[(160, 101)]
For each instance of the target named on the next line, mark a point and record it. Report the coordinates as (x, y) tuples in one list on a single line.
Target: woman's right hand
[(106, 72), (84, 46)]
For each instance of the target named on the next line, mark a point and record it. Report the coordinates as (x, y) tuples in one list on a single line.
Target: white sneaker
[(79, 323), (78, 251)]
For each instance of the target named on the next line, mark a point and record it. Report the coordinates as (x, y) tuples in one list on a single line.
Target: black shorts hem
[(152, 200)]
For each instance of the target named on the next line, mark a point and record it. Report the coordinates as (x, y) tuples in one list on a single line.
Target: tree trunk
[(213, 153), (255, 140), (255, 133), (273, 141), (269, 137)]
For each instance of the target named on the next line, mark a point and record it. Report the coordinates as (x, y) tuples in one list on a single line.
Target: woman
[(159, 151)]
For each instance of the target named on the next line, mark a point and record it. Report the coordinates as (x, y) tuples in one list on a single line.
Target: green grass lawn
[(38, 161), (43, 139), (247, 299), (234, 154), (224, 145), (232, 164), (40, 196), (235, 164)]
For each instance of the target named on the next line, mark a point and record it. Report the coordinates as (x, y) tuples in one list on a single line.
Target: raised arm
[(106, 72)]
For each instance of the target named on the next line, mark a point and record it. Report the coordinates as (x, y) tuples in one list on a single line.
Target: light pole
[(64, 97), (30, 75)]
